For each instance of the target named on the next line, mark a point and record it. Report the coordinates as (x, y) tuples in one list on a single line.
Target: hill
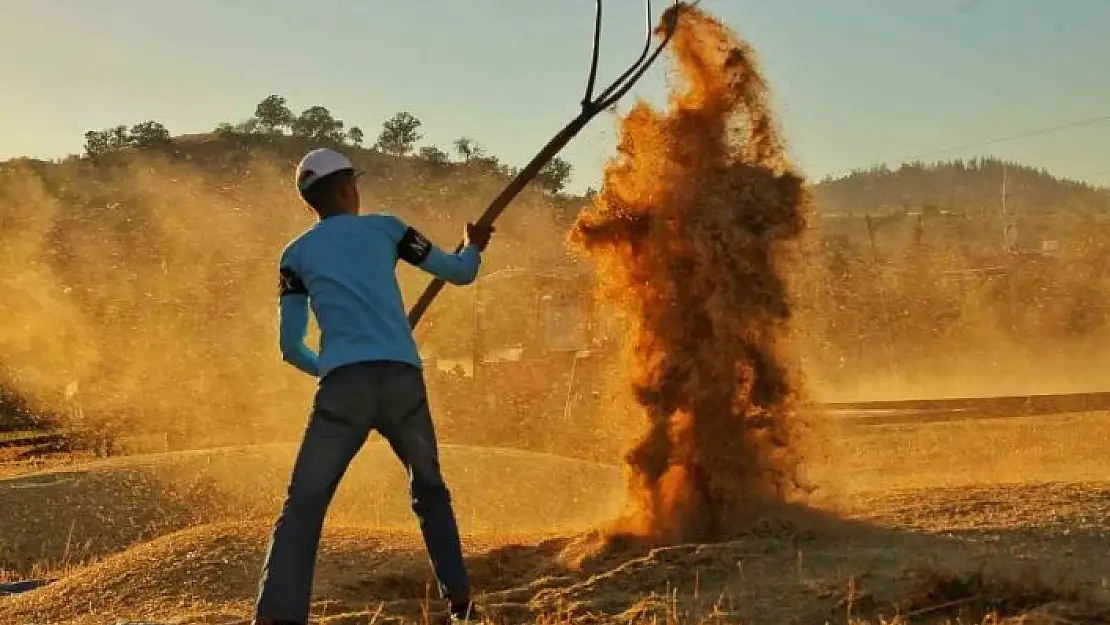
[(97, 236), (972, 186), (921, 282)]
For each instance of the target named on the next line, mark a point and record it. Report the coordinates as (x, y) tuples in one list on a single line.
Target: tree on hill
[(474, 155), (225, 130), (144, 135), (468, 149), (118, 138), (554, 175), (492, 164), (399, 134), (434, 156), (318, 124), (246, 127), (273, 114), (356, 136), (97, 143), (150, 134)]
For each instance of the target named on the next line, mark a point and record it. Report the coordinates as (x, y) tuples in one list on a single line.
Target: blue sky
[(855, 82)]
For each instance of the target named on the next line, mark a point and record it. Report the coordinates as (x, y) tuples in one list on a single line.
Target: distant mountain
[(970, 187)]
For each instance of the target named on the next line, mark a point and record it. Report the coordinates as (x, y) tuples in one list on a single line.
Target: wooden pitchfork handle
[(591, 106)]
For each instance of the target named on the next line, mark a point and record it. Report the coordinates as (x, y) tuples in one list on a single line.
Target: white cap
[(319, 163)]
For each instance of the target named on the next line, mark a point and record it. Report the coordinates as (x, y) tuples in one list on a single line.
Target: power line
[(1032, 133), (1014, 137)]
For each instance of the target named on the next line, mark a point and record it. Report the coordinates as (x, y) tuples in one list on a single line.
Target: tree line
[(273, 117), (958, 185)]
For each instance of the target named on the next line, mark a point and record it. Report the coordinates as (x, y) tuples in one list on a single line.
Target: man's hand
[(478, 236)]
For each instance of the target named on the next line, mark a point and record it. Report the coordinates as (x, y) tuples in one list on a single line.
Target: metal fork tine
[(591, 106), (596, 51), (605, 102), (643, 55)]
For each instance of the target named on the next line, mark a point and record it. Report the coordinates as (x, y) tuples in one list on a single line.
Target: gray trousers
[(350, 402)]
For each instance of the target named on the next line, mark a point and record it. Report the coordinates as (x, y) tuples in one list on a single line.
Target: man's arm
[(415, 249), (459, 268), (293, 324)]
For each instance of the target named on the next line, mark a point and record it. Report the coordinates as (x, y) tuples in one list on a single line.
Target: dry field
[(693, 235), (943, 522)]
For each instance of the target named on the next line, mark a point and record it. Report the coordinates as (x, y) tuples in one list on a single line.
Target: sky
[(854, 82)]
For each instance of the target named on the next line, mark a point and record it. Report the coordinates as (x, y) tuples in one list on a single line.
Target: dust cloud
[(692, 238), (140, 294)]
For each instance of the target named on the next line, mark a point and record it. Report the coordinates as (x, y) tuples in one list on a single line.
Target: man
[(370, 378)]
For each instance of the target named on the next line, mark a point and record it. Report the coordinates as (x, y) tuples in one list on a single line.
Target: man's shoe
[(465, 614)]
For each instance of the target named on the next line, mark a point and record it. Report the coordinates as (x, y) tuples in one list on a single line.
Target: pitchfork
[(591, 106)]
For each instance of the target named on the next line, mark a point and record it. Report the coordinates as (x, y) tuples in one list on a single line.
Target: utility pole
[(1009, 224), (891, 346), (1009, 244)]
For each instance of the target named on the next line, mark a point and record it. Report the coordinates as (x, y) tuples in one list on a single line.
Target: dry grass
[(1056, 448), (968, 545)]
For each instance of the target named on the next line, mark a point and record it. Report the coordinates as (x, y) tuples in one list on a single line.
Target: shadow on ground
[(790, 566)]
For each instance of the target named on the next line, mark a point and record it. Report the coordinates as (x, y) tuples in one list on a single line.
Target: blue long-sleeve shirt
[(344, 268)]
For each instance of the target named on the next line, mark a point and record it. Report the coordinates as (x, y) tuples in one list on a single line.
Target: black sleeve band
[(290, 283), (413, 247)]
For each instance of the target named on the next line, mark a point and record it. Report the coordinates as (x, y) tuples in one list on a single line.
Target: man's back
[(343, 269), (346, 266)]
